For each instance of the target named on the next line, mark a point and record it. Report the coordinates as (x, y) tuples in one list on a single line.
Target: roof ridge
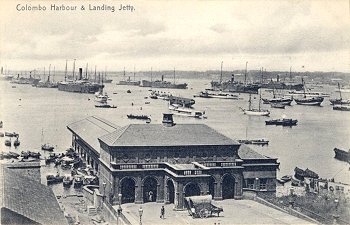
[(79, 120), (123, 129), (105, 121)]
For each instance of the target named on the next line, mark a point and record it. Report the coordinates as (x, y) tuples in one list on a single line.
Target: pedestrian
[(162, 212), (150, 196)]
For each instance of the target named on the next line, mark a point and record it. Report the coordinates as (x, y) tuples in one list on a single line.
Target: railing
[(134, 166), (222, 164)]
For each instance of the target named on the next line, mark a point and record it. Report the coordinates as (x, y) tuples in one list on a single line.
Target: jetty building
[(166, 162)]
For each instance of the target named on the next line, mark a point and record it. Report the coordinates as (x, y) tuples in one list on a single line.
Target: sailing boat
[(255, 112), (339, 101), (46, 146), (309, 100), (340, 104), (277, 100)]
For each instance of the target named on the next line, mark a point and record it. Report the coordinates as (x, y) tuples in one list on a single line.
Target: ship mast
[(86, 70), (290, 73), (134, 73), (339, 92), (54, 73), (250, 102), (48, 78), (245, 74), (174, 75), (65, 72), (221, 73), (151, 74), (95, 73), (260, 101), (73, 68), (124, 74)]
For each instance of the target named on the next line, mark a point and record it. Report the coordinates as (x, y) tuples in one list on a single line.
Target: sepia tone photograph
[(152, 112)]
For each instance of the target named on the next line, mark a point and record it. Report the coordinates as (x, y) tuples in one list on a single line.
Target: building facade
[(167, 162)]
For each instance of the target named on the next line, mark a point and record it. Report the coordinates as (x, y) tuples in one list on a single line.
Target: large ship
[(26, 80), (163, 84), (129, 81), (80, 86), (180, 101), (234, 86)]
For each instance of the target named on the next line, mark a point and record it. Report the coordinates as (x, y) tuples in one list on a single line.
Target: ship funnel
[(162, 77), (168, 120), (233, 78), (80, 73), (278, 78)]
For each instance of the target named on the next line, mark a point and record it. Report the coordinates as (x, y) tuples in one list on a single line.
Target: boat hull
[(316, 101), (256, 113)]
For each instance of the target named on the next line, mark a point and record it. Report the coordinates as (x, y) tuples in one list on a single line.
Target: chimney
[(80, 73), (162, 77), (278, 78), (233, 78), (168, 120)]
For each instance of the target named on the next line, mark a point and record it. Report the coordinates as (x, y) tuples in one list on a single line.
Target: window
[(250, 183), (263, 183)]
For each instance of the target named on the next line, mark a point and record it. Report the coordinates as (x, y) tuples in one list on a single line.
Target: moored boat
[(47, 147), (16, 142), (341, 107), (254, 141), (187, 112), (8, 142), (138, 117), (255, 112), (105, 106), (277, 105), (282, 122), (342, 154), (9, 134)]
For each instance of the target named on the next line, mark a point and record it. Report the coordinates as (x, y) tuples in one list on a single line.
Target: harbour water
[(41, 115)]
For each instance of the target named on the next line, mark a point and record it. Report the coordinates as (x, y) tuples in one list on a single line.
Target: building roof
[(160, 135), (91, 128), (29, 198), (244, 152)]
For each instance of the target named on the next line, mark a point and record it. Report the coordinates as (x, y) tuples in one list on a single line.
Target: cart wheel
[(204, 213)]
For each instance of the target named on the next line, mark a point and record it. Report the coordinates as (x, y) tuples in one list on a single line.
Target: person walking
[(162, 212)]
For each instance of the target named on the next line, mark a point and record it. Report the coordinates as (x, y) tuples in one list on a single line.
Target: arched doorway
[(192, 189), (150, 189), (128, 190), (212, 186), (170, 191), (228, 186)]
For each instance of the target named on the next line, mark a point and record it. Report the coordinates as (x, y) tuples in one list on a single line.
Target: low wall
[(88, 192)]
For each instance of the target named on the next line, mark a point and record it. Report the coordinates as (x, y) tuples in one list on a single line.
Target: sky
[(186, 35)]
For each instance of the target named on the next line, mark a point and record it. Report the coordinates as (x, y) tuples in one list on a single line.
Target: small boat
[(67, 180), (34, 154), (139, 117), (341, 107), (1, 124), (16, 142), (11, 134), (106, 106), (183, 111), (78, 181), (286, 178), (342, 154), (47, 147), (277, 105), (24, 155), (53, 179), (128, 91), (147, 103), (13, 155), (282, 122), (2, 134), (254, 141), (8, 142)]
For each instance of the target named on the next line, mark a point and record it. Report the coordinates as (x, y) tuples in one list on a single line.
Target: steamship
[(79, 86)]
